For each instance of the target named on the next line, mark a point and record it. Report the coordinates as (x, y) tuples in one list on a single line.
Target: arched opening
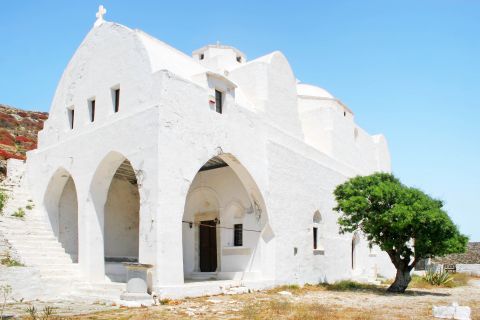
[(355, 247), (317, 232), (61, 204), (225, 233), (121, 222)]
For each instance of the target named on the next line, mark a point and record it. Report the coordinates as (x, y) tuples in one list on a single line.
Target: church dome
[(309, 90)]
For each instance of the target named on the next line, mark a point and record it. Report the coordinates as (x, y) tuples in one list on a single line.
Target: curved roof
[(164, 56), (309, 90)]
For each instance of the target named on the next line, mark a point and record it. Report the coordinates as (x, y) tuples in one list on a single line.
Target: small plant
[(20, 213), (5, 291), (437, 278), (32, 312), (29, 206), (47, 313), (3, 200), (10, 262)]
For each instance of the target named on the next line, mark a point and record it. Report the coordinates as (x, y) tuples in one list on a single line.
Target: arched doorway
[(225, 233), (121, 222), (61, 204)]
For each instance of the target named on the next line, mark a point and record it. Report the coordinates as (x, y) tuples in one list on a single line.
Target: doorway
[(208, 246)]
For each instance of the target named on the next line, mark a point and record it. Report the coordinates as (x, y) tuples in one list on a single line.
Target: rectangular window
[(116, 100), (91, 109), (71, 117), (315, 238), (238, 235), (218, 101)]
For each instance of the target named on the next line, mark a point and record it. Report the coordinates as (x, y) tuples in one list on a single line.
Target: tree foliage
[(404, 222)]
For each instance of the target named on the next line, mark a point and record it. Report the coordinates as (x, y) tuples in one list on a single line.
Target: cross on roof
[(101, 12)]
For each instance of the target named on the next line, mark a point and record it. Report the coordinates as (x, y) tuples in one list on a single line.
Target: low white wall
[(473, 269)]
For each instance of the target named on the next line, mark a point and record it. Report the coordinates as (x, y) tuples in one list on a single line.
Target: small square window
[(201, 56), (238, 235), (218, 101)]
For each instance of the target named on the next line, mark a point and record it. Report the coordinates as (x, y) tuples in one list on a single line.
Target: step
[(46, 261), (31, 239), (64, 273), (40, 232), (59, 267), (28, 219), (203, 275), (67, 277), (100, 292), (27, 230), (31, 244), (44, 255), (34, 250), (24, 225)]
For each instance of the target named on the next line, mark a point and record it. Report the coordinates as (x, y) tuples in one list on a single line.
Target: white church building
[(211, 168)]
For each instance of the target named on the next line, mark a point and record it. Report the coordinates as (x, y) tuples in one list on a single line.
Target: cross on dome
[(101, 12)]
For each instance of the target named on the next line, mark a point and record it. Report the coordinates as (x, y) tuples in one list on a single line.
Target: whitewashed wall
[(167, 129)]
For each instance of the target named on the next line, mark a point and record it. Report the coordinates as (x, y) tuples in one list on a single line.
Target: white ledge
[(231, 251)]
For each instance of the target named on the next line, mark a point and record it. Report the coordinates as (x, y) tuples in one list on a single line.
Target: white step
[(35, 244), (37, 261), (14, 232), (43, 251), (48, 255), (203, 275), (46, 236), (59, 266)]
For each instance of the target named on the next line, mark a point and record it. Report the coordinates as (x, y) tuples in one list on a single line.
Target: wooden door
[(208, 246)]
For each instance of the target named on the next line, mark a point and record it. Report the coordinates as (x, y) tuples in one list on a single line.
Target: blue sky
[(408, 69)]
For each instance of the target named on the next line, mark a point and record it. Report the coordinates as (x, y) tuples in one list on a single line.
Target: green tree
[(404, 222)]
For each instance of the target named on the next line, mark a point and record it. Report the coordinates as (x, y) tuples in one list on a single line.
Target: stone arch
[(115, 194), (238, 203), (61, 204)]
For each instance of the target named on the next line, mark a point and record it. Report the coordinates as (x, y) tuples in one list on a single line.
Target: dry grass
[(282, 309), (458, 280)]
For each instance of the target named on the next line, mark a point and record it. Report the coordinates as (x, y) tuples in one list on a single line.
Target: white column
[(90, 240)]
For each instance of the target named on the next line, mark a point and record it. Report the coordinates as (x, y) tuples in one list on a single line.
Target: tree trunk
[(402, 279)]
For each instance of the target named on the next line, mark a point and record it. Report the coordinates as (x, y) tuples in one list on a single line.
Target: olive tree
[(404, 222)]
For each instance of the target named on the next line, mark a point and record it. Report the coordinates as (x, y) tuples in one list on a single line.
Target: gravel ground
[(359, 304)]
